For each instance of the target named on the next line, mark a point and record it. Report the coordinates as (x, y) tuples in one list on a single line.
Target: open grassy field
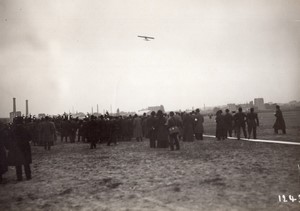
[(203, 175)]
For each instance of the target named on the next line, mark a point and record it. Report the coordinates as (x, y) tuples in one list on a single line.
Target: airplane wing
[(145, 37)]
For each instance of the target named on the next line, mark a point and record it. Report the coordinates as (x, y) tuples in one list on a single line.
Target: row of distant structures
[(146, 111), (258, 104)]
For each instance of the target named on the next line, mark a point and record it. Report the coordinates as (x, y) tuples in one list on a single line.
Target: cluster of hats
[(18, 120)]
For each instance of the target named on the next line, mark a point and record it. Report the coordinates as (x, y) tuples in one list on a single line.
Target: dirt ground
[(203, 175), (206, 175)]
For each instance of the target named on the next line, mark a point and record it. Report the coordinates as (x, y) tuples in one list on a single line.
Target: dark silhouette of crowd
[(237, 123), (163, 131)]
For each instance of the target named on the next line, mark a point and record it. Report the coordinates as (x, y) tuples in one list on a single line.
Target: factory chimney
[(14, 105), (26, 107)]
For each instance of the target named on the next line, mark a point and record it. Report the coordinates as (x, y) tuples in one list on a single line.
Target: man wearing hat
[(19, 150)]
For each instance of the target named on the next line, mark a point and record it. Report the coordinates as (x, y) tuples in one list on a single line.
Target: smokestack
[(26, 107), (14, 105), (97, 109)]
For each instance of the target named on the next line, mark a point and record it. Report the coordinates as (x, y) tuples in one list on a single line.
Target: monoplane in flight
[(146, 38)]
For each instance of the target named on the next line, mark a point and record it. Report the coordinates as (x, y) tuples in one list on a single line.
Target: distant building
[(231, 107), (148, 110), (293, 102), (259, 103), (79, 115), (152, 108), (12, 115), (42, 115), (245, 106), (156, 108), (270, 106)]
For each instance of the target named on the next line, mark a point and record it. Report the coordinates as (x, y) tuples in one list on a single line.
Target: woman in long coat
[(48, 133), (19, 151), (162, 131), (188, 131), (137, 128), (279, 123), (220, 127)]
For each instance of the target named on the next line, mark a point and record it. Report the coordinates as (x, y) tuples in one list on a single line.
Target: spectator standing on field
[(252, 122), (220, 127), (65, 129), (92, 132), (152, 132), (3, 158), (48, 133), (137, 128), (279, 123), (198, 125), (188, 130), (240, 119), (161, 130), (173, 127), (19, 150), (228, 123)]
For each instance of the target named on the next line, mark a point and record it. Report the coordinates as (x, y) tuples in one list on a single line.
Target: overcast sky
[(76, 54)]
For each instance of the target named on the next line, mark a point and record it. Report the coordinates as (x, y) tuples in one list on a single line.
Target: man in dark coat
[(19, 153), (32, 128), (172, 126), (65, 129), (240, 119), (279, 123), (80, 131), (198, 125), (73, 129), (252, 122), (124, 129), (3, 158), (112, 129), (228, 122), (162, 130), (151, 124), (144, 125), (92, 132)]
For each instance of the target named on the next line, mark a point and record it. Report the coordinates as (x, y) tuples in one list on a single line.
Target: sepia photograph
[(149, 105)]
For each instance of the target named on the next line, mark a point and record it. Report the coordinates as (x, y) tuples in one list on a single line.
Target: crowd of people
[(163, 131)]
